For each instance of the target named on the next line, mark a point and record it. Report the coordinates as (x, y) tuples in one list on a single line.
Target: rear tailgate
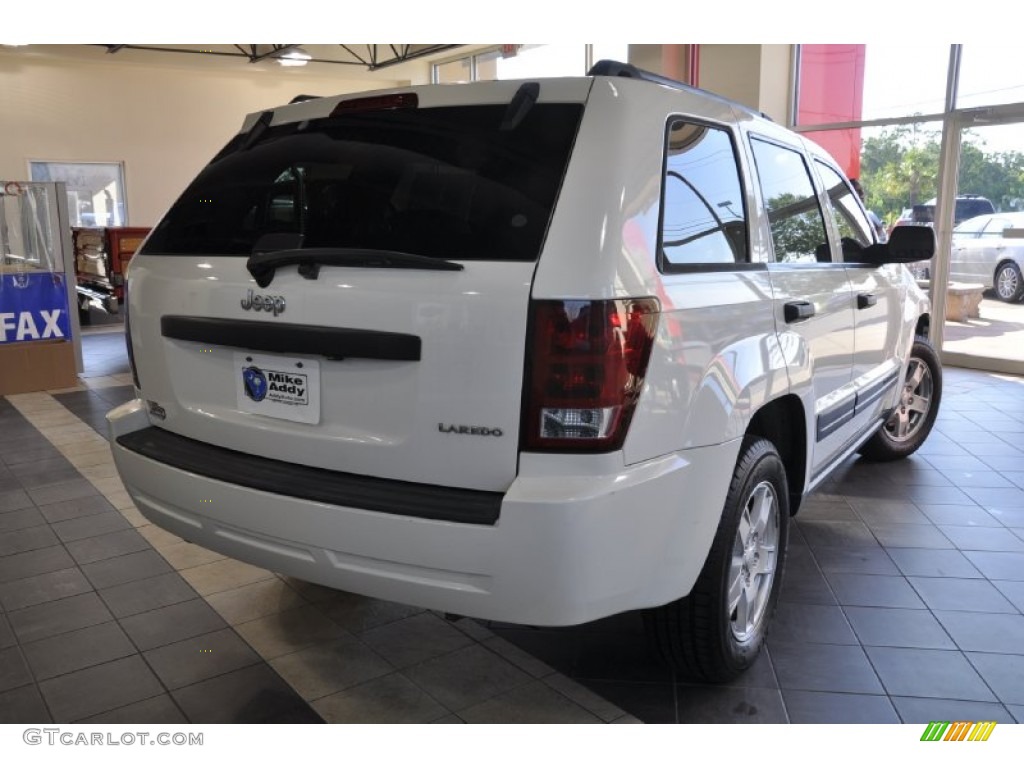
[(362, 366)]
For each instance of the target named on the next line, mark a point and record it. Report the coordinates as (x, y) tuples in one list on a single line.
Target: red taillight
[(376, 103), (586, 363)]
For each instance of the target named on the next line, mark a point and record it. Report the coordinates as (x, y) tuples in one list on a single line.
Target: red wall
[(832, 91)]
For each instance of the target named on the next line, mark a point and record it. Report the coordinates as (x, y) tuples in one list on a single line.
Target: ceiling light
[(294, 57)]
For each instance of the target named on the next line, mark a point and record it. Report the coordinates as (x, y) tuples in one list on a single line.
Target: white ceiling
[(351, 61)]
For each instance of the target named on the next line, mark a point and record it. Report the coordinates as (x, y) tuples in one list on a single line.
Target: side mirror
[(906, 245)]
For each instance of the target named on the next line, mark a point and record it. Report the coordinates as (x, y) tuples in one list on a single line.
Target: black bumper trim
[(395, 497), (874, 392), (835, 417), (294, 339)]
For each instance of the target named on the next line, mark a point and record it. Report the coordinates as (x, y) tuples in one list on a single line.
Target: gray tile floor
[(902, 597), (93, 595), (93, 621), (902, 601)]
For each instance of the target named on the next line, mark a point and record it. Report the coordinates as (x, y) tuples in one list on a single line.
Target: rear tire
[(716, 632), (1008, 282), (912, 421)]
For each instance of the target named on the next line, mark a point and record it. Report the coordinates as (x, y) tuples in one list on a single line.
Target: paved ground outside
[(998, 332)]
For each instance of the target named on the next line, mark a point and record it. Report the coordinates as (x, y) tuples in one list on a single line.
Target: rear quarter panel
[(716, 358)]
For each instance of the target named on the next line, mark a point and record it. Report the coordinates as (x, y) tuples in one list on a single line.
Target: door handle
[(797, 310), (865, 300)]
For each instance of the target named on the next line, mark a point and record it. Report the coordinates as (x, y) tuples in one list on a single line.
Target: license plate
[(278, 386)]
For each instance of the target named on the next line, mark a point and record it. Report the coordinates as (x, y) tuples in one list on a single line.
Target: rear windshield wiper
[(262, 265)]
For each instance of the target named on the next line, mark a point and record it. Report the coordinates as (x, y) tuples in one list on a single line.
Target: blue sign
[(254, 383), (33, 306)]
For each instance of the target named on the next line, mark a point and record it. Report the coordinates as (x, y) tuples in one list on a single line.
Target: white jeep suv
[(536, 351)]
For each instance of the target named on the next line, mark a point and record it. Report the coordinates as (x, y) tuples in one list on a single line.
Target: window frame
[(470, 57), (665, 267), (122, 181)]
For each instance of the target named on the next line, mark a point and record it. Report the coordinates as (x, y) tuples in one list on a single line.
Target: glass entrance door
[(984, 276)]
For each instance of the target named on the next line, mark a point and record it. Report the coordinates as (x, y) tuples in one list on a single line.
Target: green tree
[(900, 169), (796, 227), (999, 176)]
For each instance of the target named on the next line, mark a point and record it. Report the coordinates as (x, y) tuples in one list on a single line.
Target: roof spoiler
[(610, 68)]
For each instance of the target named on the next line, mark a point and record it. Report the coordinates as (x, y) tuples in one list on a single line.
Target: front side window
[(459, 182), (848, 216), (703, 215), (794, 216)]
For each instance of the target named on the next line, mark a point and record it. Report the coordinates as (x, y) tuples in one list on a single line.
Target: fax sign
[(33, 307)]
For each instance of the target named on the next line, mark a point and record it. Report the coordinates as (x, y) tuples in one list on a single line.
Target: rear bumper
[(569, 545)]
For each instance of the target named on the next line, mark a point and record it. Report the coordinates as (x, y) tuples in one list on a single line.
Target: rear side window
[(448, 182), (703, 218), (794, 216)]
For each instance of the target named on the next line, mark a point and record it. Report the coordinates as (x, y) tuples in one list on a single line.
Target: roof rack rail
[(610, 68), (303, 97)]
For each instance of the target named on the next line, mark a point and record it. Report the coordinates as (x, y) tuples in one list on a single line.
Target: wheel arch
[(924, 324), (784, 422), (1004, 262)]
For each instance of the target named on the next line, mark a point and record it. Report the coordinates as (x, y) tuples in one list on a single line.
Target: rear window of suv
[(973, 206), (461, 182)]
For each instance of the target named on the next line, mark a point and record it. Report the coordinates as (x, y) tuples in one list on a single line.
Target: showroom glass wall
[(936, 135), (509, 62)]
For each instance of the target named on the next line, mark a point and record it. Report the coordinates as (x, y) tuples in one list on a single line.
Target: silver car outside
[(989, 250)]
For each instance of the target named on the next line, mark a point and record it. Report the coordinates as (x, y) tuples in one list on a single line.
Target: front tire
[(716, 632), (912, 421), (1008, 282)]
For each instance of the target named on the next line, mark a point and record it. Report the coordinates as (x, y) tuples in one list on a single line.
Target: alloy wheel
[(1007, 283), (915, 403), (754, 560)]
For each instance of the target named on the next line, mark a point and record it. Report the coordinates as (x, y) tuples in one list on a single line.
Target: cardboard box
[(33, 366)]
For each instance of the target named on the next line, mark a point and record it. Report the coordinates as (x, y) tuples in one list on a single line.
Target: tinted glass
[(850, 219), (703, 219), (797, 226), (968, 208), (448, 182)]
